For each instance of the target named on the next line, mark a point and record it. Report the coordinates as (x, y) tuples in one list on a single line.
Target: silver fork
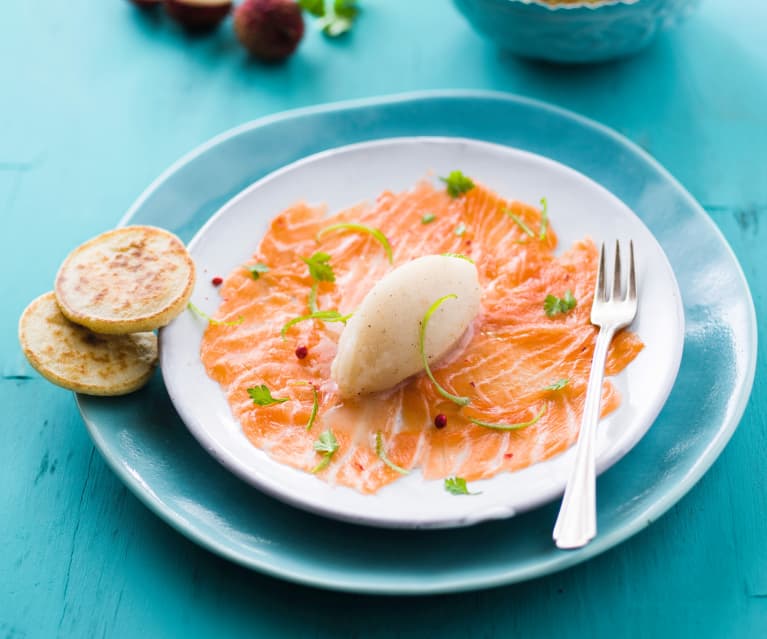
[(577, 521)]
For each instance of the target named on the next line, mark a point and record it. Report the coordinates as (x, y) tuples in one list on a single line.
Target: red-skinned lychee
[(198, 15), (269, 29), (146, 4)]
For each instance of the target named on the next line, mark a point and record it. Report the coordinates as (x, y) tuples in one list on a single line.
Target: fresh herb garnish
[(518, 426), (460, 256), (520, 223), (336, 18), (460, 229), (319, 267), (262, 396), (320, 270), (325, 316), (314, 7), (457, 183), (256, 269), (327, 445), (315, 403), (544, 218), (554, 305), (457, 486), (381, 452), (361, 228), (428, 218), (214, 322), (461, 401), (558, 385), (312, 301), (315, 408)]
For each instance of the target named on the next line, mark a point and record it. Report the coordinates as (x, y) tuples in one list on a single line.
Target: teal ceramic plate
[(150, 449)]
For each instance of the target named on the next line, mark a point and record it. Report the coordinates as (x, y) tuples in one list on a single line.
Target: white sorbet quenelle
[(379, 346)]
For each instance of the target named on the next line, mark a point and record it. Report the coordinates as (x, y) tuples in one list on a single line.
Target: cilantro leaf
[(314, 7), (558, 385), (325, 316), (327, 445), (213, 322), (544, 218), (460, 230), (428, 218), (262, 396), (551, 305), (520, 223), (381, 452), (339, 19), (554, 305), (461, 401), (256, 269), (457, 183), (361, 228), (319, 267), (457, 486), (516, 426)]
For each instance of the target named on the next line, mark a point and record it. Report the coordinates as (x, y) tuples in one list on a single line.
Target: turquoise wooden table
[(97, 100)]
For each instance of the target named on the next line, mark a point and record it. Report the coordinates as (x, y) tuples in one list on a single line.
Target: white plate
[(341, 177)]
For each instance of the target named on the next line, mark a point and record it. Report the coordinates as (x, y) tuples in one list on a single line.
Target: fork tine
[(617, 274), (631, 293), (601, 293)]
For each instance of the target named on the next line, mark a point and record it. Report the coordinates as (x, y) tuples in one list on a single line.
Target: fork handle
[(577, 521)]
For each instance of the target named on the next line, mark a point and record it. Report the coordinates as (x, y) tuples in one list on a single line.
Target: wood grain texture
[(97, 99)]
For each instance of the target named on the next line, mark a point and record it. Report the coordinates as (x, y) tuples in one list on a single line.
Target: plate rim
[(558, 561), (262, 477)]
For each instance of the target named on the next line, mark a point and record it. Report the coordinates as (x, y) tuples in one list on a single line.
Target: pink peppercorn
[(440, 421), (302, 352), (217, 281)]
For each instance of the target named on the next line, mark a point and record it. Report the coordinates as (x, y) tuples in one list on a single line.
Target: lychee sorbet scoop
[(380, 345)]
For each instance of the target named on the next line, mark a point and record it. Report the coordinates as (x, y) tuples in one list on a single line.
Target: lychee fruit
[(146, 4), (198, 15), (269, 29)]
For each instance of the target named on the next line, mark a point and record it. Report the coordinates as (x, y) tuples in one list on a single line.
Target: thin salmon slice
[(512, 352)]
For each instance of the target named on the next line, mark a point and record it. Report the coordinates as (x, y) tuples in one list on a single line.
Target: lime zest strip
[(518, 426), (381, 452), (525, 228), (461, 401), (315, 408), (544, 218), (315, 403), (325, 316), (460, 256), (361, 228), (312, 301), (213, 322)]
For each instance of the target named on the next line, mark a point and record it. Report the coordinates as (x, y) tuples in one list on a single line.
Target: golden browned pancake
[(78, 359), (131, 279)]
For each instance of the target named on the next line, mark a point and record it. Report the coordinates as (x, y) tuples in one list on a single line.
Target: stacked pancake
[(94, 333)]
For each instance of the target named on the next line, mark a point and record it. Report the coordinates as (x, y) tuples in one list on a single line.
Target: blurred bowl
[(576, 31)]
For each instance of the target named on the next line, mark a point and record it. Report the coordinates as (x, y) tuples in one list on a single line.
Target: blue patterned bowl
[(578, 32)]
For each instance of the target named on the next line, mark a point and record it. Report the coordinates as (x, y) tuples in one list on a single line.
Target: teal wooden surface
[(97, 100)]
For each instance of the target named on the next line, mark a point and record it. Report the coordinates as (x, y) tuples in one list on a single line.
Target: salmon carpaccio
[(510, 354)]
